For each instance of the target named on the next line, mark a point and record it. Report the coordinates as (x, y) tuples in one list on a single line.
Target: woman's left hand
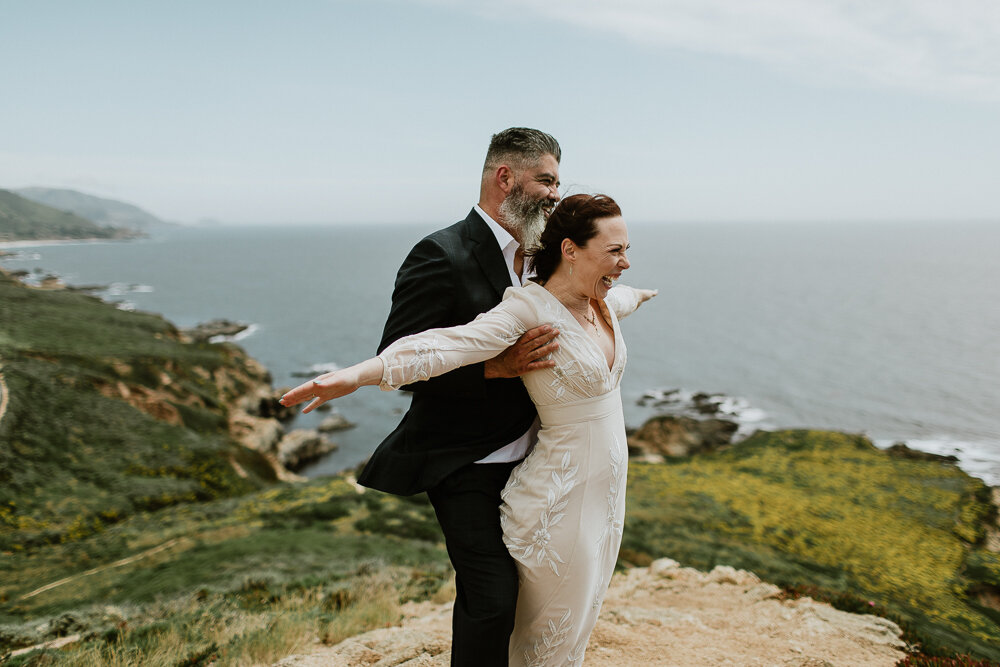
[(646, 294)]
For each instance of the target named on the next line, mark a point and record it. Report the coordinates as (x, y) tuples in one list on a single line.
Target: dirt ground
[(660, 615)]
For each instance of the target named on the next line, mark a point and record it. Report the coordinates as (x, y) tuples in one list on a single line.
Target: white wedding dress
[(564, 505)]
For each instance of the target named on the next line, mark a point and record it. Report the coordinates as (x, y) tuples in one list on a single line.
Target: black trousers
[(467, 504)]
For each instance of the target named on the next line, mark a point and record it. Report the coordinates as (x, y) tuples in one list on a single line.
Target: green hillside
[(107, 212), (129, 515), (24, 220), (107, 414)]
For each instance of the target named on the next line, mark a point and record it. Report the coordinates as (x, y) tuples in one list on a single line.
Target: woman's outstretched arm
[(335, 384), (624, 300), (424, 355)]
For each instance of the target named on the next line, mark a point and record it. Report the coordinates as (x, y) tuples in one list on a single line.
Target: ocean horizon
[(885, 329)]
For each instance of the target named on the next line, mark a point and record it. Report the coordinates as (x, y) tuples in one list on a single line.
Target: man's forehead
[(547, 165)]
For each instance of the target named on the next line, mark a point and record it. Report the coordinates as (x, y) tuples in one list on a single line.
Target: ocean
[(885, 329)]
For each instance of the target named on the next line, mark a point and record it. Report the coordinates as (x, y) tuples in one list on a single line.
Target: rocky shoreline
[(257, 421)]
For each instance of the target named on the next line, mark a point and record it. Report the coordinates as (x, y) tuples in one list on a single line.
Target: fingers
[(531, 349), (539, 335), (316, 402), (537, 342), (303, 392), (538, 365), (297, 395), (543, 351)]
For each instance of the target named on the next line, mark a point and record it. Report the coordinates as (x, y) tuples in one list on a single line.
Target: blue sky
[(332, 111)]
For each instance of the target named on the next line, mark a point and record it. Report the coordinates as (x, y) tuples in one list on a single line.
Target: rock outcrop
[(661, 615), (334, 422), (672, 436), (903, 451), (205, 331), (301, 447)]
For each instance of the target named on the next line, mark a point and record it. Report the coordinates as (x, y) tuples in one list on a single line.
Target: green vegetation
[(831, 513), (110, 414), (129, 516), (23, 219), (238, 580)]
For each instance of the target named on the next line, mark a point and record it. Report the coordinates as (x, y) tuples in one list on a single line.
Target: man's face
[(541, 182), (531, 200)]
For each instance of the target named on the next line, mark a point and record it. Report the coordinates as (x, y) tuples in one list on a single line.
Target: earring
[(570, 269)]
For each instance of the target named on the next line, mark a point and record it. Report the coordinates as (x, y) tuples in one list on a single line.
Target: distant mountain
[(96, 209), (24, 220)]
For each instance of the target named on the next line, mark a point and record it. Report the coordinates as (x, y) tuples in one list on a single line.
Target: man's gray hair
[(520, 148)]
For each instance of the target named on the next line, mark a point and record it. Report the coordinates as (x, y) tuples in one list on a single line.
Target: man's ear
[(505, 178)]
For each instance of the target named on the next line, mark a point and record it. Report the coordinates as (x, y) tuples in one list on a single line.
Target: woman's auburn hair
[(574, 218)]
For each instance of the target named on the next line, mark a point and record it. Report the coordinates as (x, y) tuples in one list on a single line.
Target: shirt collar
[(503, 237)]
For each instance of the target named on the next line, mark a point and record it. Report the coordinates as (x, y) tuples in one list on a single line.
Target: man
[(466, 430)]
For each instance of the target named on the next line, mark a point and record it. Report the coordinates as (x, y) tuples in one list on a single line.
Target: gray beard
[(525, 215)]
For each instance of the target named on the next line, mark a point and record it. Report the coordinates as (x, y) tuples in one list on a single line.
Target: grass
[(233, 588)]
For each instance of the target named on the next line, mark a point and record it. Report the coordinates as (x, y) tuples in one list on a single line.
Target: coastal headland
[(147, 517)]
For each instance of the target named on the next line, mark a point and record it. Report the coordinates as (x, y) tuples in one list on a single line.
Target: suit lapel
[(487, 252)]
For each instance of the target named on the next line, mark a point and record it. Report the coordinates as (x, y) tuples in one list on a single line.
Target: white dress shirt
[(518, 449)]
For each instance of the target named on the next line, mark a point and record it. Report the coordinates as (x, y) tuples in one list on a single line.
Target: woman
[(564, 505)]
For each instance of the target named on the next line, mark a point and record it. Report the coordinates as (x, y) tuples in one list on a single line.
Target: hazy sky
[(381, 110)]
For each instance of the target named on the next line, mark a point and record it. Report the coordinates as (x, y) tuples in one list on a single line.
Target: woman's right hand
[(335, 384)]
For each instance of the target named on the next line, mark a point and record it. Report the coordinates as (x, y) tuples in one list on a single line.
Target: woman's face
[(603, 259)]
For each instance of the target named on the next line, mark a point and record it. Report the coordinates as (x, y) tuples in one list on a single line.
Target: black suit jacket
[(448, 279)]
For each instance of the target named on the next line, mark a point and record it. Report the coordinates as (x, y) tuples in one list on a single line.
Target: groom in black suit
[(466, 430)]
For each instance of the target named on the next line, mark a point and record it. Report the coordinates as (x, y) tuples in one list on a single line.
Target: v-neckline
[(583, 332)]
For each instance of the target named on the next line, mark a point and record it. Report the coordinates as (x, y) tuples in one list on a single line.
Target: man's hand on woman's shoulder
[(529, 353)]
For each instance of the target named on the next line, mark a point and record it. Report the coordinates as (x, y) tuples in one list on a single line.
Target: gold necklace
[(591, 318)]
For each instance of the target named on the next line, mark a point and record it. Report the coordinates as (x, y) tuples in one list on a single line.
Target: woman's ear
[(568, 250)]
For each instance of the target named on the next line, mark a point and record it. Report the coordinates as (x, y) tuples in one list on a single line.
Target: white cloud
[(941, 47)]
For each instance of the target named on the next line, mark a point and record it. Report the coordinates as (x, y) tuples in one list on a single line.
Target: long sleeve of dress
[(438, 351), (623, 300)]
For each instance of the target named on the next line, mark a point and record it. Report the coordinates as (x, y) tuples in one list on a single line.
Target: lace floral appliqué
[(539, 544), (553, 636)]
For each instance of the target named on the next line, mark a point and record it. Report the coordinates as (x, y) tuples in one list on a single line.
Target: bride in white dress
[(564, 505)]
